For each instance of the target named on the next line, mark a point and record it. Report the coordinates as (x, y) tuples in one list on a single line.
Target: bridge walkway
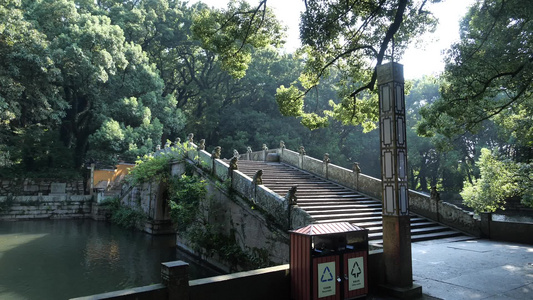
[(327, 201)]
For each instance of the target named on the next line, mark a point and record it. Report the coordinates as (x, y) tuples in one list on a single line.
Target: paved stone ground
[(452, 269), (473, 269)]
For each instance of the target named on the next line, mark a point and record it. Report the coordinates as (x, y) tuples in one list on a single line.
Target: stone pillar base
[(412, 292), (175, 276), (159, 227), (397, 251)]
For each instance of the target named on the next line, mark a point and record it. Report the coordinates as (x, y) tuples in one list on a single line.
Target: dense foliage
[(487, 101), (108, 80), (348, 39), (185, 193), (84, 81), (124, 216), (500, 179), (156, 168)]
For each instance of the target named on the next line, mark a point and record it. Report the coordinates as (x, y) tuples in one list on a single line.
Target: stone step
[(334, 201), (342, 206), (413, 225), (307, 186), (351, 220), (414, 231), (339, 203), (426, 236), (340, 214), (343, 209), (328, 197), (379, 223), (329, 202)]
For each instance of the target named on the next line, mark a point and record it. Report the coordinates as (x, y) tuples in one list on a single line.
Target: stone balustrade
[(420, 203), (274, 205)]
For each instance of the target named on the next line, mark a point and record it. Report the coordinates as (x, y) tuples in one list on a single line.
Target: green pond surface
[(63, 259)]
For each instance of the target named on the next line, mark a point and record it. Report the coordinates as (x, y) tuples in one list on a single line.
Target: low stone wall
[(150, 292), (313, 165), (45, 207), (266, 283), (44, 186), (289, 157), (419, 203), (271, 203), (511, 232), (457, 218), (232, 214), (263, 197)]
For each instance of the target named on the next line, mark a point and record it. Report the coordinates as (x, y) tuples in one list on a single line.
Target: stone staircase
[(328, 202)]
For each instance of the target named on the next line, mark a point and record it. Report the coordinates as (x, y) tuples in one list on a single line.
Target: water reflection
[(61, 259)]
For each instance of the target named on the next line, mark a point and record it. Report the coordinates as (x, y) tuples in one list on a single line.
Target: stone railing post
[(257, 180), (91, 181), (265, 152), (486, 219), (301, 151), (199, 147), (325, 163), (214, 156), (292, 201), (249, 153), (356, 171), (175, 276), (434, 202), (233, 165)]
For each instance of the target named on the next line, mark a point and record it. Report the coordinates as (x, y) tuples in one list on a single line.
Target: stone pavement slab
[(473, 269)]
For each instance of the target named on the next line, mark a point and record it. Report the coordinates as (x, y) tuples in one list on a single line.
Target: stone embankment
[(45, 207)]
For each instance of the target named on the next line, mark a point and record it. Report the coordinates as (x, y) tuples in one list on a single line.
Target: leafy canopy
[(349, 39), (233, 33), (499, 180), (488, 74)]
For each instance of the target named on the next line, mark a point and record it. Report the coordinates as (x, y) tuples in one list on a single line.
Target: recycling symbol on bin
[(356, 270), (330, 278)]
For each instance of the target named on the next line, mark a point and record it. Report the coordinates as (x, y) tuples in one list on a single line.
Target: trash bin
[(329, 262)]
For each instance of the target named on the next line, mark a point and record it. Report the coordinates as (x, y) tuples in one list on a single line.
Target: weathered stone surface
[(290, 157), (39, 207), (58, 188), (313, 165), (221, 170), (458, 218)]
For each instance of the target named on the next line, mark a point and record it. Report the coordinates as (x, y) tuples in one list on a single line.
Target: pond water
[(62, 259)]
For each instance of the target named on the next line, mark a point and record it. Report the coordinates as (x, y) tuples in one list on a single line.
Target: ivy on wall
[(185, 192), (188, 202), (124, 216), (156, 168)]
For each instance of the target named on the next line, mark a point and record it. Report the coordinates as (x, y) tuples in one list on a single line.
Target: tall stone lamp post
[(396, 222)]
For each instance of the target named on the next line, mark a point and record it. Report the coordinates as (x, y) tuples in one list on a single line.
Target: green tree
[(351, 37), (29, 95), (487, 102), (234, 32), (489, 73), (499, 180), (108, 85), (424, 158)]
